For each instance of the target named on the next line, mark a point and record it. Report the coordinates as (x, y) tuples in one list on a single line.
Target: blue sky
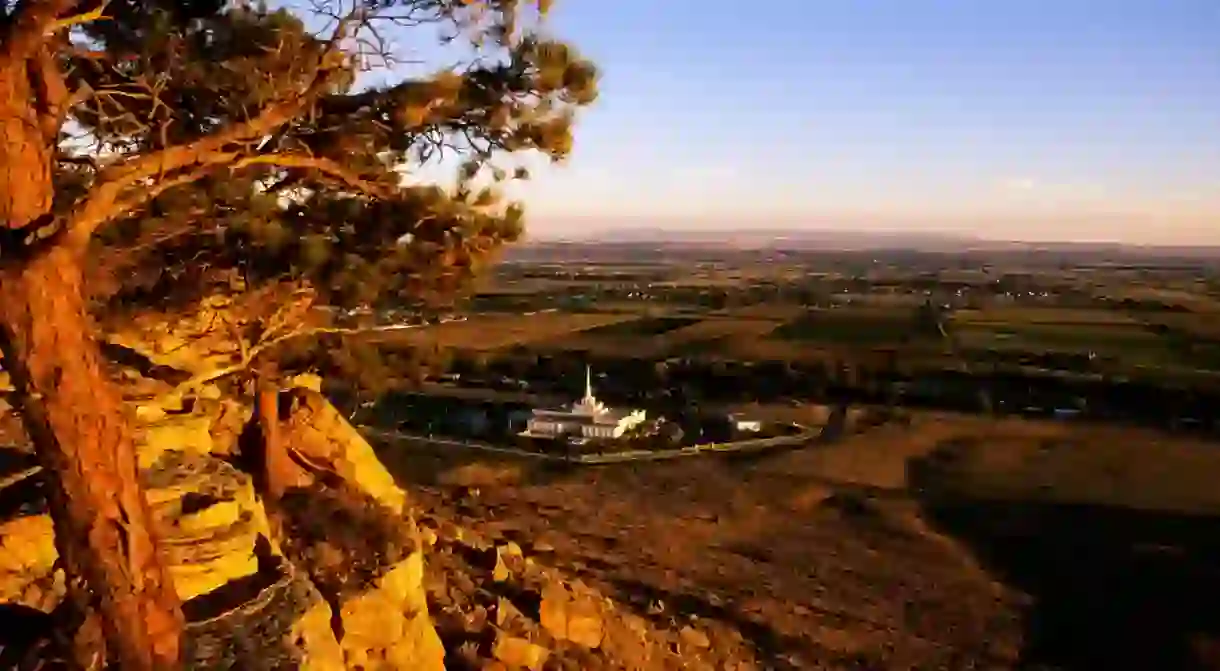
[(1020, 119)]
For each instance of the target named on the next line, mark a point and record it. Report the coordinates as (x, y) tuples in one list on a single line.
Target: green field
[(1154, 340), (858, 326), (643, 326)]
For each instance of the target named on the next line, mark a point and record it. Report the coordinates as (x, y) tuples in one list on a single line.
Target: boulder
[(247, 607), (387, 626), (27, 564), (518, 653), (320, 433), (264, 586), (185, 433), (572, 616), (209, 518), (365, 560), (273, 621)]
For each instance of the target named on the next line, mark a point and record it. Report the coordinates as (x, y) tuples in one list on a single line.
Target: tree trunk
[(73, 413), (276, 464), (76, 419)]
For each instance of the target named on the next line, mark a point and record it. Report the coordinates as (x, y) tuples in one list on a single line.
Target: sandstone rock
[(210, 521), (186, 433), (627, 640), (308, 381), (506, 612), (363, 557), (211, 426), (569, 617), (585, 624), (317, 429), (199, 338), (511, 549), (283, 625), (500, 573), (27, 563), (229, 419), (693, 637), (387, 627), (519, 653)]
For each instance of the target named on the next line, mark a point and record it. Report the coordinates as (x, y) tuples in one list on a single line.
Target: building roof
[(587, 410), (608, 416)]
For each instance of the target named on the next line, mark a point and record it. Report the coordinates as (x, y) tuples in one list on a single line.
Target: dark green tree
[(156, 150)]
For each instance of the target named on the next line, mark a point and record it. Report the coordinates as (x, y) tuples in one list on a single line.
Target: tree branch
[(94, 14), (32, 19), (232, 160), (249, 357), (106, 199)]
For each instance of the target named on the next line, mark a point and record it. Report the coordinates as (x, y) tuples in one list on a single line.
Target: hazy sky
[(1023, 119)]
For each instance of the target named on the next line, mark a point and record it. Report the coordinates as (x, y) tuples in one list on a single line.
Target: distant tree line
[(679, 384)]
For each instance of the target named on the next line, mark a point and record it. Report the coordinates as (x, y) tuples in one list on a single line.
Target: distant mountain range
[(832, 240)]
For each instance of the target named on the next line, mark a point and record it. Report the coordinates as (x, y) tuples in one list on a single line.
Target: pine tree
[(154, 148)]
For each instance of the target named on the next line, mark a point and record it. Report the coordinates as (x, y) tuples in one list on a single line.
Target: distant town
[(671, 334)]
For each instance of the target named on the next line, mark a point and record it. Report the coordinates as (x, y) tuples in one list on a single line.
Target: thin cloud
[(1019, 184)]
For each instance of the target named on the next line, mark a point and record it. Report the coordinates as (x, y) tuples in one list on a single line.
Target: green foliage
[(164, 74)]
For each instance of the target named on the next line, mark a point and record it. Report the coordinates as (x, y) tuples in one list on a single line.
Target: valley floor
[(827, 557)]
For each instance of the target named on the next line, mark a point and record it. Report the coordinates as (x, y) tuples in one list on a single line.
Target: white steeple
[(589, 404)]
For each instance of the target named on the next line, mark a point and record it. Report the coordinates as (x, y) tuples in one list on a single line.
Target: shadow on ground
[(768, 644), (426, 465), (1112, 588)]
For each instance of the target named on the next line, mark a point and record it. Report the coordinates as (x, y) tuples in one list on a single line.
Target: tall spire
[(588, 381)]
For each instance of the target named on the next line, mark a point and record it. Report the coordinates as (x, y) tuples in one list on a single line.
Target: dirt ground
[(828, 557), (812, 575)]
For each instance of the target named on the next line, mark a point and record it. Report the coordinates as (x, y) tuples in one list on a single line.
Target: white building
[(585, 419), (744, 425)]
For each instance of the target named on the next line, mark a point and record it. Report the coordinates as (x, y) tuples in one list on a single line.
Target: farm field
[(1191, 300), (790, 333), (863, 326), (1108, 333), (1037, 315), (667, 336), (1057, 337), (955, 524), (761, 311), (492, 332)]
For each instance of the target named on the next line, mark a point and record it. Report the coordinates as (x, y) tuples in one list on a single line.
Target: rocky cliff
[(336, 574)]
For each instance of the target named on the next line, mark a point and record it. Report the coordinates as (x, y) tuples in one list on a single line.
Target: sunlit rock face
[(328, 577), (351, 531)]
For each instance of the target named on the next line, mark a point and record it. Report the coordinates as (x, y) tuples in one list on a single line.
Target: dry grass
[(764, 311), (604, 345), (492, 332), (1205, 326), (1191, 300), (1103, 465), (711, 329), (717, 332), (1043, 316)]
